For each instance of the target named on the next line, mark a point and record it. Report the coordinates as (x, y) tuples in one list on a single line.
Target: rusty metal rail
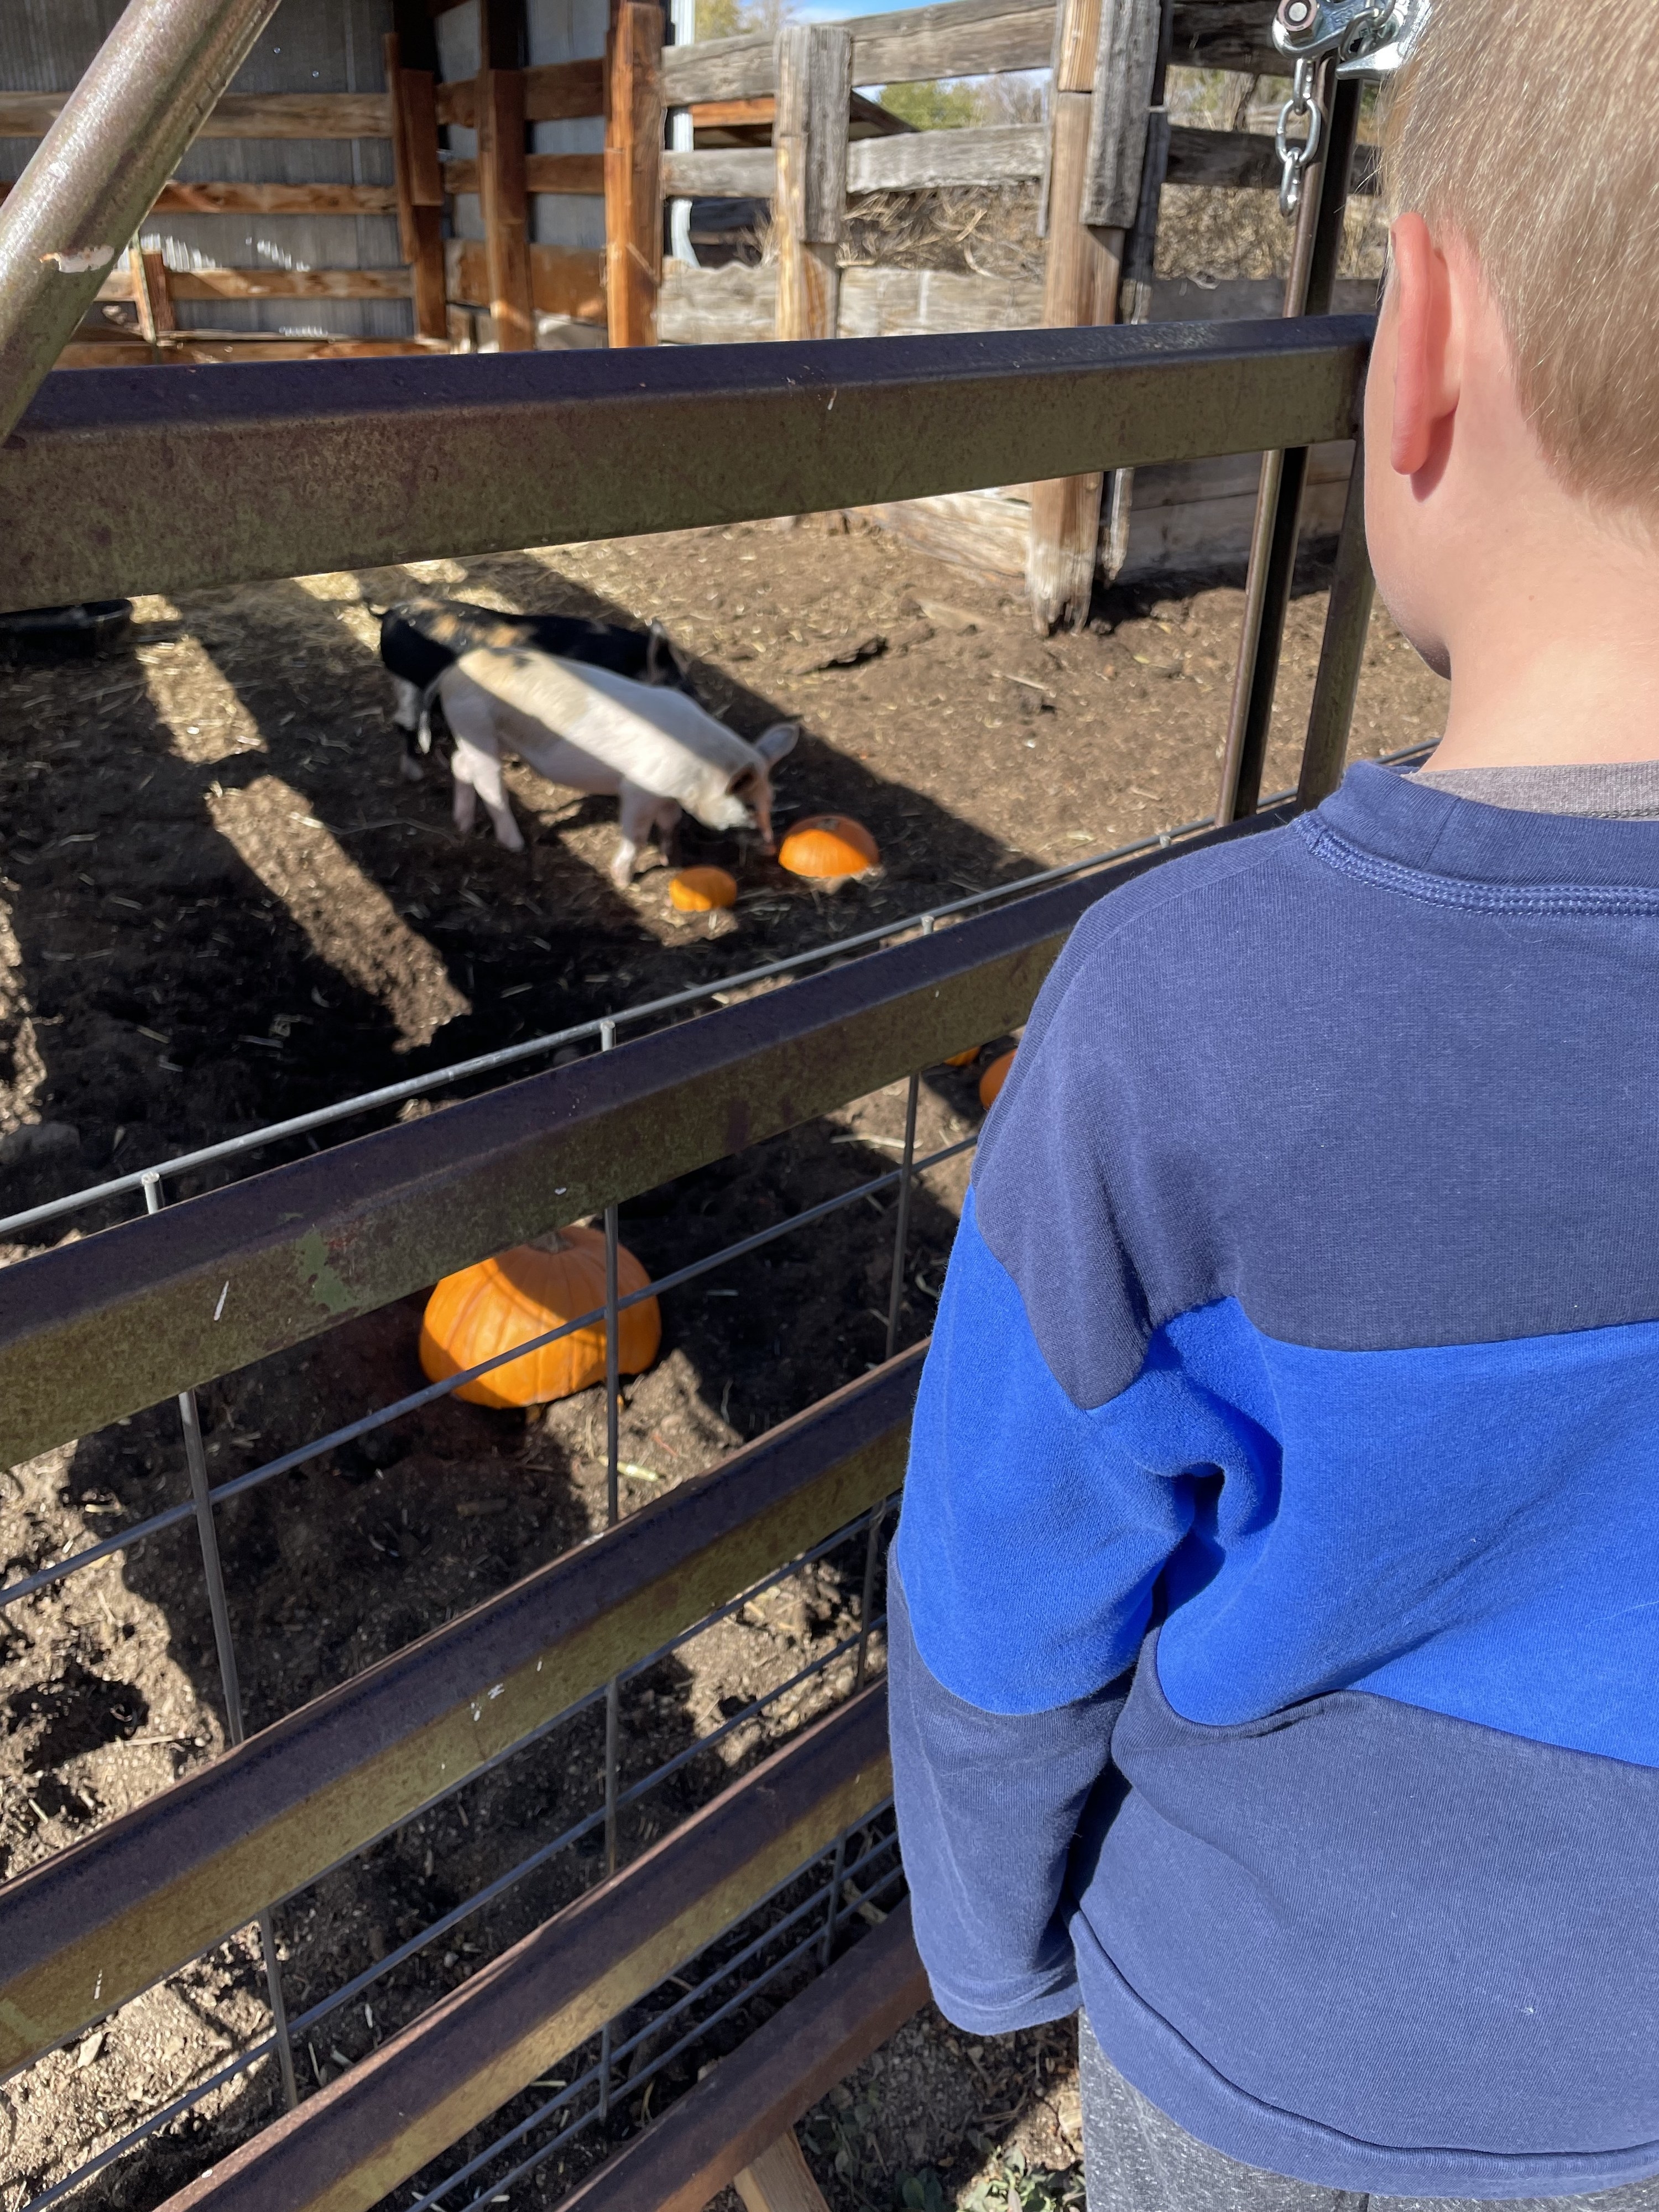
[(474, 2049), (224, 1280), (119, 481), (101, 1921)]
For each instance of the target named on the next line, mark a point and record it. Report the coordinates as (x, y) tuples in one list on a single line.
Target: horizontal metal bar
[(100, 1327), (749, 2099), (93, 1925), (511, 1055), (124, 481), (425, 2088)]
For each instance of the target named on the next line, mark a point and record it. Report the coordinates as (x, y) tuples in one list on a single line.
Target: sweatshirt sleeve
[(1070, 1443)]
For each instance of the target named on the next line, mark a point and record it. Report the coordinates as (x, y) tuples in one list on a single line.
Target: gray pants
[(1135, 2160)]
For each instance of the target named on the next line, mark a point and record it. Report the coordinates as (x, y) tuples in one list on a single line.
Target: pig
[(421, 638), (593, 730)]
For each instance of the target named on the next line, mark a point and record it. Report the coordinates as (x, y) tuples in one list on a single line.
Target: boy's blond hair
[(1530, 128)]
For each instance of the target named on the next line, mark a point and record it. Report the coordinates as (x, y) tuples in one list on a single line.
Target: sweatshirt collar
[(1393, 817)]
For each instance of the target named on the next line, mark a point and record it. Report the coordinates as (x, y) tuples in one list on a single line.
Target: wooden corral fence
[(126, 484), (1104, 156)]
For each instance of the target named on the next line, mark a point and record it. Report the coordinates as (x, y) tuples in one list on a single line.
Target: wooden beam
[(780, 2179), (632, 173), (1080, 287), (179, 198), (993, 153), (745, 2100), (289, 284), (202, 348), (543, 172), (238, 115), (714, 172), (501, 127), (809, 208), (347, 2148), (420, 188), (564, 280), (152, 292)]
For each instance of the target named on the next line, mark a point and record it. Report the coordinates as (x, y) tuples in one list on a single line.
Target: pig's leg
[(476, 765), (640, 813), (406, 717)]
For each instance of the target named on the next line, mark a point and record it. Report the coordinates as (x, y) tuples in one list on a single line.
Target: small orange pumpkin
[(700, 890), (521, 1293), (832, 845), (963, 1059), (993, 1079)]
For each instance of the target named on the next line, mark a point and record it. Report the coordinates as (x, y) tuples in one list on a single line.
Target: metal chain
[(1297, 155)]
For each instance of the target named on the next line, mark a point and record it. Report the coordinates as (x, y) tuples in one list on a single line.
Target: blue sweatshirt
[(1275, 1619)]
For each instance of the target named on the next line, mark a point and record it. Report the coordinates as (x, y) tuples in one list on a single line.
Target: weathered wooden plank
[(555, 92), (543, 172), (737, 173), (289, 284), (420, 183), (809, 209), (778, 2179), (1126, 54), (96, 1923), (966, 38), (632, 173), (1080, 287), (238, 115), (345, 2148), (769, 2081), (994, 153), (564, 280)]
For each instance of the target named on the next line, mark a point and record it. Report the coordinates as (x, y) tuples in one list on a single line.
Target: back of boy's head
[(1530, 128)]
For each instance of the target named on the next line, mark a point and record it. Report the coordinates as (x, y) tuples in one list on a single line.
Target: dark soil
[(219, 905)]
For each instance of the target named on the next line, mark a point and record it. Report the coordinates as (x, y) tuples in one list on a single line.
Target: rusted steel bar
[(107, 1325), (346, 2148), (1342, 652), (1285, 474), (96, 1923), (749, 2098), (98, 168), (129, 483)]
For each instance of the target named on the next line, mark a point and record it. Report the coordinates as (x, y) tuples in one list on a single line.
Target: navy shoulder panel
[(1388, 1077)]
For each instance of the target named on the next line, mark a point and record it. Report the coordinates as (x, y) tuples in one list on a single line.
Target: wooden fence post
[(151, 292), (633, 173), (502, 191), (1104, 60), (419, 176), (809, 201)]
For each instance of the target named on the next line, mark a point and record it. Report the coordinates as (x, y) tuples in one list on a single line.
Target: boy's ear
[(1427, 381)]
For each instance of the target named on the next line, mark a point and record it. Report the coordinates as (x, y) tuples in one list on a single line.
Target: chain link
[(1297, 155)]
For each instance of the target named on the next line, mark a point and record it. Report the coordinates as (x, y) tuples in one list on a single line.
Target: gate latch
[(1370, 37)]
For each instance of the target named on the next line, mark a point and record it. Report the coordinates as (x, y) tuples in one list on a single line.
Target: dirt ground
[(220, 905)]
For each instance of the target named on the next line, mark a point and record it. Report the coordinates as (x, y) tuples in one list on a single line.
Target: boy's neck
[(1555, 658)]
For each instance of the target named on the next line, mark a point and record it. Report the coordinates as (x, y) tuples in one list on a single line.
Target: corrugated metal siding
[(309, 46), (567, 31)]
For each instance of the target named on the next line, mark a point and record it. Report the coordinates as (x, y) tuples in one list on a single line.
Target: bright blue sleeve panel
[(1473, 1528), (988, 1809), (1034, 1532)]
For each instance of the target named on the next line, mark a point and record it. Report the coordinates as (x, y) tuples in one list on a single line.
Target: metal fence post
[(612, 1514), (190, 1421), (1314, 258), (1342, 652), (95, 175)]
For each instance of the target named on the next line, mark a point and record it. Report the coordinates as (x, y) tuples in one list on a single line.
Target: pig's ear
[(777, 741)]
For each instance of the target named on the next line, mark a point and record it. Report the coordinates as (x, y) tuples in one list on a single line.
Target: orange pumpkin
[(963, 1059), (700, 891), (523, 1293), (994, 1077), (829, 845)]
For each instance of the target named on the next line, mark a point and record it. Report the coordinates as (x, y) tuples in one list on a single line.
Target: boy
[(1275, 1618)]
